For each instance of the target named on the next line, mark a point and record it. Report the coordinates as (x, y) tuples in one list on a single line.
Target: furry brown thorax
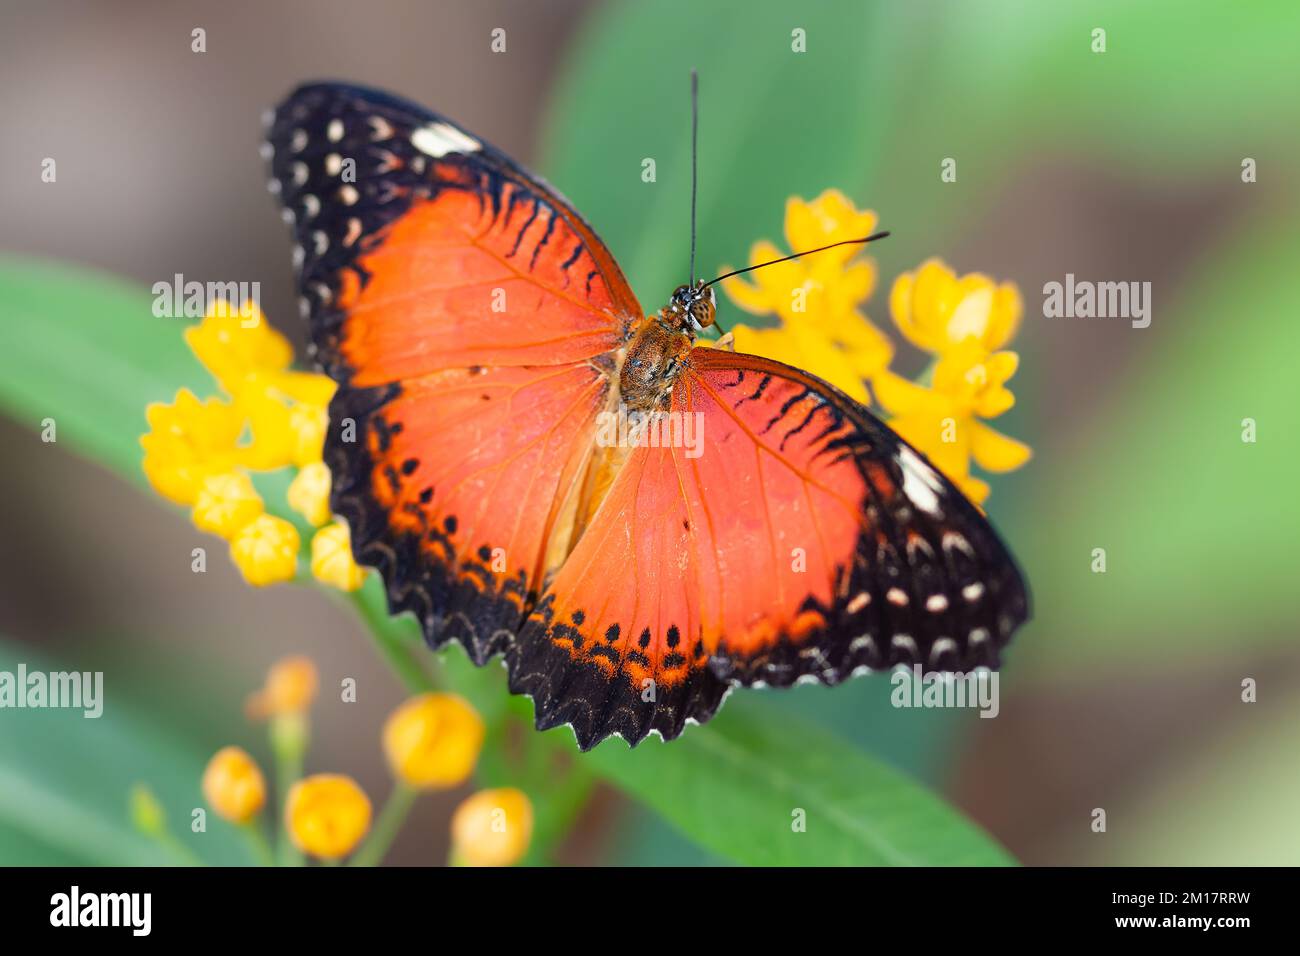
[(658, 348)]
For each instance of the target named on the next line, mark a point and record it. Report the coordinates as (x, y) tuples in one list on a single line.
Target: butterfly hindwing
[(470, 316), (877, 558), (798, 539)]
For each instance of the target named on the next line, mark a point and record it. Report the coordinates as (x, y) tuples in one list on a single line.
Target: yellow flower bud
[(492, 828), (308, 423), (433, 741), (233, 785), (226, 503), (146, 812), (309, 493), (291, 686), (331, 558), (266, 550), (327, 815)]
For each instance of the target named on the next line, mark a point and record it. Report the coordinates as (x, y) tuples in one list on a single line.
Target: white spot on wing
[(354, 231), (941, 646), (919, 484), (861, 600), (905, 643), (439, 139)]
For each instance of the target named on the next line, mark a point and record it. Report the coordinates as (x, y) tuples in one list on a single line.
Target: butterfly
[(481, 335)]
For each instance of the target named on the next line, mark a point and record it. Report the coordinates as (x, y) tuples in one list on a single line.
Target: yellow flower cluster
[(817, 297), (963, 322), (199, 452), (432, 742)]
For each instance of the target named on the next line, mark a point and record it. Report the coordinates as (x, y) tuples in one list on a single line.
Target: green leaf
[(65, 783), (744, 784), (86, 350)]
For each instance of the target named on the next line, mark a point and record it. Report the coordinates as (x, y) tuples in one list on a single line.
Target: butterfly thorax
[(657, 351)]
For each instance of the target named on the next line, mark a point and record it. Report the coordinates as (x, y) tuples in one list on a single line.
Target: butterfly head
[(693, 305)]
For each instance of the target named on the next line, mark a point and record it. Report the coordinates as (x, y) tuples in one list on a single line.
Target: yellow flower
[(821, 288), (937, 310), (308, 423), (816, 297), (238, 348), (492, 828), (291, 686), (943, 420), (266, 550), (233, 785), (331, 558), (433, 741), (271, 442), (327, 815), (226, 503), (250, 360), (187, 441), (309, 493)]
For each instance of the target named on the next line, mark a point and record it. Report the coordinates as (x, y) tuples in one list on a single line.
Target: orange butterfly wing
[(473, 321), (470, 316), (800, 538)]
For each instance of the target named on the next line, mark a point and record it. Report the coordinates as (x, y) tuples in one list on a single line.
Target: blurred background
[(1124, 692)]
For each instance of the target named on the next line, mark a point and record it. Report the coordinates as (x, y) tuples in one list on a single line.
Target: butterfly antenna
[(695, 137), (807, 252)]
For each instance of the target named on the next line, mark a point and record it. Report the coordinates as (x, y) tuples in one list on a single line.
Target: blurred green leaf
[(66, 781), (773, 123), (86, 350), (884, 93), (1194, 520)]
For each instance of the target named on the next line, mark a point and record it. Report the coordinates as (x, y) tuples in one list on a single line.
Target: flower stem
[(390, 821), (393, 645), (289, 744), (259, 844)]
